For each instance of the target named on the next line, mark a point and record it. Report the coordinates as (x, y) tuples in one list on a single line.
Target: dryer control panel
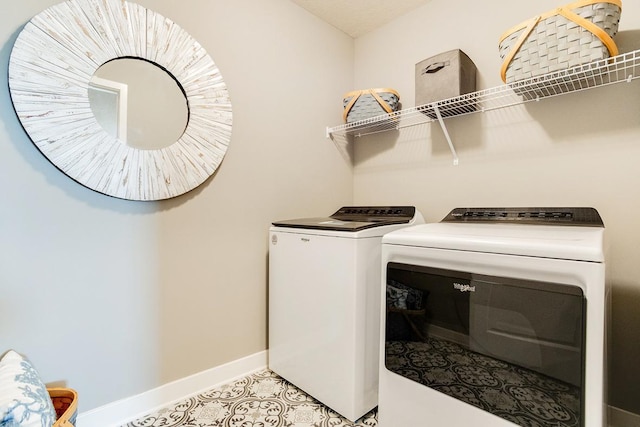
[(577, 216)]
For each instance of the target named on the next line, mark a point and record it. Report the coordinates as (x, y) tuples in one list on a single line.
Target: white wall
[(115, 297), (576, 150)]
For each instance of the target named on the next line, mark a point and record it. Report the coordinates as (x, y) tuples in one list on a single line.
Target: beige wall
[(577, 150), (115, 297)]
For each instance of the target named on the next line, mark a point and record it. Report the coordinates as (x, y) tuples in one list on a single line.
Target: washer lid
[(352, 219), (510, 237)]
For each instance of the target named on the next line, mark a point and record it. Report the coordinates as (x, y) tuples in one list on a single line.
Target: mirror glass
[(138, 103)]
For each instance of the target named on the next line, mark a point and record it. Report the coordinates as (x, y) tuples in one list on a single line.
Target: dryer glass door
[(510, 347)]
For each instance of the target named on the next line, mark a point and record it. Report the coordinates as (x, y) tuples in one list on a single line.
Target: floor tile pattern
[(262, 399)]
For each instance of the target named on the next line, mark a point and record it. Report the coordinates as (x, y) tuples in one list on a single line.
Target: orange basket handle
[(507, 60)]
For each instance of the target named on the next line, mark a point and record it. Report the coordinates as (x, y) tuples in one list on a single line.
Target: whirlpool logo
[(463, 288)]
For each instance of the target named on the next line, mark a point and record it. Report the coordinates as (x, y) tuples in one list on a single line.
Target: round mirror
[(139, 103), (59, 55)]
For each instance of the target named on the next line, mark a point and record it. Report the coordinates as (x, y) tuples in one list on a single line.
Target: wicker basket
[(566, 37), (65, 402), (363, 104)]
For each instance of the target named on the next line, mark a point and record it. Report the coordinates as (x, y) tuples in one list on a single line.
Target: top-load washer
[(324, 304), (495, 317)]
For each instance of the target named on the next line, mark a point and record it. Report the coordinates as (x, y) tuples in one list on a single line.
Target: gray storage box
[(447, 75)]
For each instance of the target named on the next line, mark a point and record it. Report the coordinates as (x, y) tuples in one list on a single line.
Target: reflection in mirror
[(139, 103), (109, 101)]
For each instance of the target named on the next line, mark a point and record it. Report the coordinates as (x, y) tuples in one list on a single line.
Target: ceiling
[(358, 17)]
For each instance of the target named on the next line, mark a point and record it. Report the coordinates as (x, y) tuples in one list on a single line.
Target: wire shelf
[(617, 69)]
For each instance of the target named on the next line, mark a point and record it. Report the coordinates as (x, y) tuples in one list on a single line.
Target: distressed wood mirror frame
[(51, 65)]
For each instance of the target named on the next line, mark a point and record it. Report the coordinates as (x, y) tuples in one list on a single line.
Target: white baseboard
[(621, 418), (126, 410)]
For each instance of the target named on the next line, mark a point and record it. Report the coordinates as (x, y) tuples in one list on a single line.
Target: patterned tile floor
[(262, 399)]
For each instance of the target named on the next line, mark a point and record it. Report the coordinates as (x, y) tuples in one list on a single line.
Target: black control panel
[(366, 213), (354, 218), (560, 216)]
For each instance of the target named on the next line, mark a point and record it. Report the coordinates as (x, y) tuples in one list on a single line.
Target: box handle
[(435, 67)]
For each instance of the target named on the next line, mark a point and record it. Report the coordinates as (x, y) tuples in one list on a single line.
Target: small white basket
[(364, 104)]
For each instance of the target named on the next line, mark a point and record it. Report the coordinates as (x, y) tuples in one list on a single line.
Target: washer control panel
[(368, 213)]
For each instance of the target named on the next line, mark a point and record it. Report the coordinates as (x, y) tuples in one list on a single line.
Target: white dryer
[(495, 317), (324, 303)]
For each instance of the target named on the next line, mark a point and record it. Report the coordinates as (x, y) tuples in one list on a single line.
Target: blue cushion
[(24, 400)]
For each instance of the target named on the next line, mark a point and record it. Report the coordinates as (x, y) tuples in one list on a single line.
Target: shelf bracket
[(446, 134)]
